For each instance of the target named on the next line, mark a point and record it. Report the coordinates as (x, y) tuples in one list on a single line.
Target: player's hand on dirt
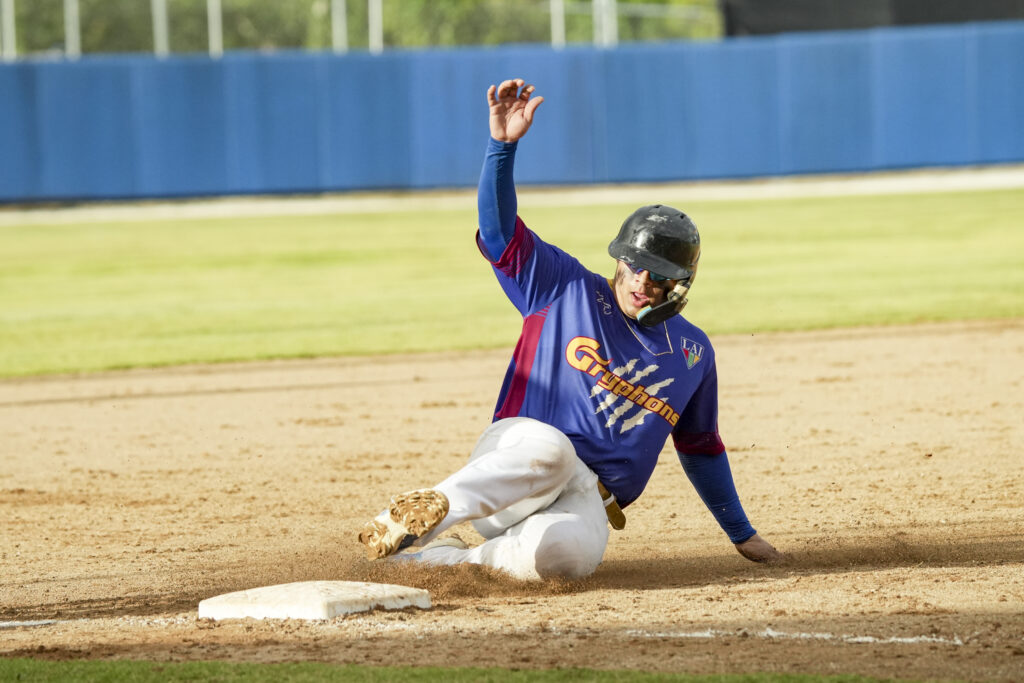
[(511, 109), (756, 549)]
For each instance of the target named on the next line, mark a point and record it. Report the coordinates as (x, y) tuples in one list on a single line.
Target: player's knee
[(549, 450), (563, 553)]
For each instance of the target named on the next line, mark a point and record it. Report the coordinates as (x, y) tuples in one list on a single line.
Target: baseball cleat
[(410, 516), (453, 541)]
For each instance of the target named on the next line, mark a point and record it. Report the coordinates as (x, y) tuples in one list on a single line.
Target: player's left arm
[(712, 478), (703, 457)]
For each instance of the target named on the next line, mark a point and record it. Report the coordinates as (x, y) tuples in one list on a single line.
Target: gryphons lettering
[(582, 354)]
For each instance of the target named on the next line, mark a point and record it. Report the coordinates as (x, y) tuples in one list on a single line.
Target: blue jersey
[(616, 388)]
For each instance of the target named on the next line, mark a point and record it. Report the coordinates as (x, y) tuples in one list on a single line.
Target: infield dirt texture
[(886, 462)]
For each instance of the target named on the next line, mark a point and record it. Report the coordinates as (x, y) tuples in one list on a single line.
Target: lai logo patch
[(692, 352)]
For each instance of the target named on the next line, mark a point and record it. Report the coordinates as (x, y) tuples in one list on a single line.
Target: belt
[(611, 508)]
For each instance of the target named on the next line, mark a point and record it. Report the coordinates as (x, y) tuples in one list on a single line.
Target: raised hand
[(511, 109)]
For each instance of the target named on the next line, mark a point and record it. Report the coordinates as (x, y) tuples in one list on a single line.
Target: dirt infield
[(885, 462)]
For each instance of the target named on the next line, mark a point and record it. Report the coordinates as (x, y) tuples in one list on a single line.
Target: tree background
[(118, 26)]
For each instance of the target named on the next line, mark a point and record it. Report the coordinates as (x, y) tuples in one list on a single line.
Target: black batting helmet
[(661, 240)]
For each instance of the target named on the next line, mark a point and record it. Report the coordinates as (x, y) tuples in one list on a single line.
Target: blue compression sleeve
[(711, 476), (496, 197)]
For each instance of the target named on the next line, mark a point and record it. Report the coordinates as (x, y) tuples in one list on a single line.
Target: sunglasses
[(654, 277)]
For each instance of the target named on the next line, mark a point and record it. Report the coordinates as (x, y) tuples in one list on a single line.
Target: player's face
[(634, 291)]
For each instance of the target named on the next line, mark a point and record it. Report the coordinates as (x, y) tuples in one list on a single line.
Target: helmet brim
[(649, 262)]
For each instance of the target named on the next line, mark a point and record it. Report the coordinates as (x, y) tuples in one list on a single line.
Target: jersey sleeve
[(696, 432), (702, 455), (532, 272), (496, 198), (711, 477)]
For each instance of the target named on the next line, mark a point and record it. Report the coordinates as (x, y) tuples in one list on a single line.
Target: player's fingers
[(527, 91), (531, 107), (506, 88), (491, 99)]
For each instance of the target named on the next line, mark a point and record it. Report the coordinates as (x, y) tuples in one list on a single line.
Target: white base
[(311, 600)]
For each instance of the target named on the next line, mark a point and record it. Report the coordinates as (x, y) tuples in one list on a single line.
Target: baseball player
[(604, 372)]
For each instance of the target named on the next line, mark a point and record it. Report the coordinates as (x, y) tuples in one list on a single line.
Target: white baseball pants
[(532, 498)]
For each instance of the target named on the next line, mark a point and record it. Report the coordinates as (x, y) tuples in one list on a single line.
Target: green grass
[(89, 297), (131, 672)]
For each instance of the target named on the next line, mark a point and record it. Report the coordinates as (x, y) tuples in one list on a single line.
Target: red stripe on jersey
[(702, 443), (517, 252), (526, 351)]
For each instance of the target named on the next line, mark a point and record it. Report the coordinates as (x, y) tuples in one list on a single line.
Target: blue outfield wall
[(120, 127)]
